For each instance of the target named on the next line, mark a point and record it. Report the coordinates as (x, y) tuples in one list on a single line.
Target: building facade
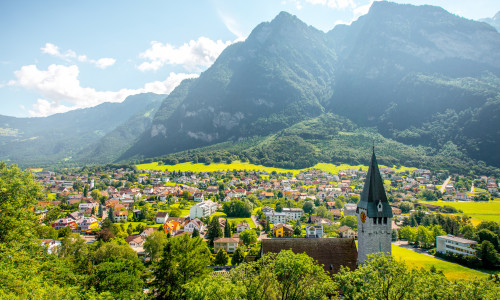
[(450, 244), (374, 216), (203, 209)]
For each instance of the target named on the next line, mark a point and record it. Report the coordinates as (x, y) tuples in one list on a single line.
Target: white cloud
[(232, 25), (362, 10), (68, 55), (60, 89), (193, 56)]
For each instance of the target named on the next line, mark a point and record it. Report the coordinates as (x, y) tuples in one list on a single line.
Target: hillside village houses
[(213, 189)]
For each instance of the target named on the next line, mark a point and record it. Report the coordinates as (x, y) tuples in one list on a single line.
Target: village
[(248, 206)]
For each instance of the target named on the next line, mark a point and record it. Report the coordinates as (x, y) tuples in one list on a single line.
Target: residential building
[(455, 245), (293, 213), (347, 232), (276, 217), (161, 217), (198, 197), (196, 223), (228, 244), (64, 222), (282, 230), (87, 224), (135, 240), (203, 209), (121, 215), (314, 231), (242, 226), (51, 245)]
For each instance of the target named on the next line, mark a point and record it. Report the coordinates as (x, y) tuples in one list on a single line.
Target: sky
[(60, 55)]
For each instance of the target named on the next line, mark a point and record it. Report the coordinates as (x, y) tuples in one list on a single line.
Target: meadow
[(237, 165), (451, 270), (478, 211)]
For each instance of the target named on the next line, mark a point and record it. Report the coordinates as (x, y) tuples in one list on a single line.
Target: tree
[(95, 194), (86, 191), (176, 212), (214, 230), (350, 221), (196, 233), (279, 207), (268, 227), (338, 203), (238, 256), (248, 236), (19, 192), (218, 287), (237, 208), (227, 230), (221, 259), (120, 277), (111, 215), (154, 243), (488, 255), (64, 232), (114, 250), (308, 207), (184, 260), (321, 211), (105, 235), (405, 206)]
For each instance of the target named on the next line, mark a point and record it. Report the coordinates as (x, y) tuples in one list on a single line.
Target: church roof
[(331, 253), (374, 192)]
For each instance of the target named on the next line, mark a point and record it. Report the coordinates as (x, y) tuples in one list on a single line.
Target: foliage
[(154, 243), (221, 258), (214, 230), (238, 256), (248, 236), (237, 208), (350, 221)]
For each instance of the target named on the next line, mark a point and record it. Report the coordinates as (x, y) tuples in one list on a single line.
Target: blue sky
[(63, 55)]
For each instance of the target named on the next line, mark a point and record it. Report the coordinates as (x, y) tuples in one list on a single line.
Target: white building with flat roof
[(451, 244), (203, 209), (293, 213)]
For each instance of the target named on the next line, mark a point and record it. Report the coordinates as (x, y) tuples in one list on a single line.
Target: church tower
[(374, 216)]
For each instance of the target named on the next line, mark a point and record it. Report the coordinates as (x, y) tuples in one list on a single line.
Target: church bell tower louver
[(374, 216)]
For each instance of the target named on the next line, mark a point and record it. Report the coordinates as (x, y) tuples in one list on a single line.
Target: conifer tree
[(221, 259), (238, 256), (196, 233), (227, 230), (214, 230)]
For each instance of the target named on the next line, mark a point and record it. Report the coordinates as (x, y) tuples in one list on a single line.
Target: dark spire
[(374, 192)]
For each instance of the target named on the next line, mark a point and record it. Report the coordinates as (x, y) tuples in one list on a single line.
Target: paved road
[(443, 187), (255, 222)]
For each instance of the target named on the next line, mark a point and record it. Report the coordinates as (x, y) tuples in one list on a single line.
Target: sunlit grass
[(488, 211)]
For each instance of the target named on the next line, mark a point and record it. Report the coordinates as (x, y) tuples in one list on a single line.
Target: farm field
[(237, 165), (452, 271), (235, 220), (479, 211)]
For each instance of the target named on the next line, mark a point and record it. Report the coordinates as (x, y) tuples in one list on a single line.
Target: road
[(443, 187)]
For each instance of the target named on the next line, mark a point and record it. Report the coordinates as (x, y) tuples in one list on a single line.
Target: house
[(293, 213), (350, 209), (135, 240), (76, 215), (314, 231), (51, 245), (147, 231), (64, 222), (121, 215), (276, 217), (347, 232), (172, 227), (82, 207), (228, 244), (461, 197), (196, 223), (161, 217), (267, 209), (198, 197), (203, 209), (88, 224), (455, 245), (282, 230), (331, 253), (314, 219), (242, 226)]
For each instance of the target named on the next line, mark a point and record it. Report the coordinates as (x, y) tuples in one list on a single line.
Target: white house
[(82, 207), (161, 217), (293, 213), (195, 223), (228, 244), (203, 209), (347, 232), (314, 231), (198, 197), (276, 217), (452, 244), (242, 226), (51, 245)]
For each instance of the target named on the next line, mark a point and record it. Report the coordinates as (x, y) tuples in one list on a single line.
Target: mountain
[(280, 75), (417, 75), (495, 21), (59, 138)]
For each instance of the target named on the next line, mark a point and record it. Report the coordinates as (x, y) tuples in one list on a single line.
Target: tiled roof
[(331, 253)]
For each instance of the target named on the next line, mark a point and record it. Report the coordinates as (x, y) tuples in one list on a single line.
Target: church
[(374, 218)]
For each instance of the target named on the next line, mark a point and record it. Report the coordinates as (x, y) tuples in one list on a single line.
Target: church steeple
[(373, 198)]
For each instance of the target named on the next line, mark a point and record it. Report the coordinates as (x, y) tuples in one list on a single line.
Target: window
[(385, 220)]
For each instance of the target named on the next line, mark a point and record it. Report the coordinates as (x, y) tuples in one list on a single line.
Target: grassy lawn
[(235, 220), (451, 270), (237, 165), (488, 211), (184, 211), (51, 196)]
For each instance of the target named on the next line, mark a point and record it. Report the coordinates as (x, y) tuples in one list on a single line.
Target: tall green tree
[(184, 261), (238, 256), (227, 230), (248, 236), (214, 230), (154, 243), (221, 258)]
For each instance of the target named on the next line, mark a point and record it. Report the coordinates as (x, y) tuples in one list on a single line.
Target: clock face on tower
[(363, 216)]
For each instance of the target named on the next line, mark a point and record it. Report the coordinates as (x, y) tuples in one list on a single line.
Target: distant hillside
[(58, 138), (415, 74)]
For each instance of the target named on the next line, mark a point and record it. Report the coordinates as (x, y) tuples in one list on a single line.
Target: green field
[(451, 270), (184, 211), (237, 165), (488, 211), (235, 220)]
